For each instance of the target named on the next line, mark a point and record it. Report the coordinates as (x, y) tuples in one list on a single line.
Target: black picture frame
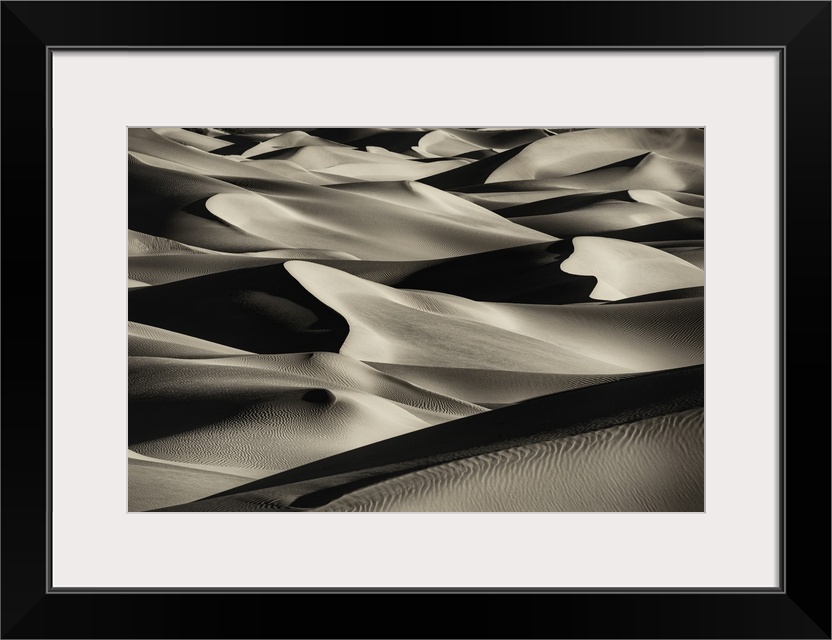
[(799, 608)]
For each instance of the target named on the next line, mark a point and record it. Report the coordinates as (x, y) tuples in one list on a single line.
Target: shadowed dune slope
[(537, 420), (251, 377), (692, 251), (153, 148), (240, 423), (528, 274), (263, 310), (521, 204), (392, 139), (160, 269), (470, 174), (608, 218), (170, 203)]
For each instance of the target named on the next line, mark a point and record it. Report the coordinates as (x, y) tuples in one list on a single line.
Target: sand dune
[(151, 147), (154, 485), (261, 309), (686, 204), (493, 199), (609, 470), (301, 370), (474, 173), (144, 244), (651, 171), (544, 419), (169, 203), (191, 139), (145, 340), (440, 330), (443, 143), (527, 273), (491, 387), (195, 413), (289, 140), (371, 227), (582, 151), (415, 319), (596, 219), (626, 269)]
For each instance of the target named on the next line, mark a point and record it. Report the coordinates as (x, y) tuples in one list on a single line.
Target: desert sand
[(415, 319)]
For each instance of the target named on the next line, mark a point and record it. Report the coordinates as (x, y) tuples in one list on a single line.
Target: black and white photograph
[(420, 319)]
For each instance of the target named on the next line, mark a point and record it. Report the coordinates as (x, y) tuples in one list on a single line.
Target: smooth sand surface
[(625, 269), (432, 224), (441, 330), (579, 152)]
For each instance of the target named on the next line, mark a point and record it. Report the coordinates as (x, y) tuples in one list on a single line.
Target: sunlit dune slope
[(624, 269), (441, 330), (579, 152), (421, 223)]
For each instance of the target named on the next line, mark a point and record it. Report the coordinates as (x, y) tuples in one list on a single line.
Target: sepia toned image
[(416, 319)]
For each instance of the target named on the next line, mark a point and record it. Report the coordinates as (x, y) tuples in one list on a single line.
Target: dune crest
[(626, 269), (388, 325)]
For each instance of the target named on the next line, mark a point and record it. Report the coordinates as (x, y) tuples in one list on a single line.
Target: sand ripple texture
[(652, 465), (314, 301)]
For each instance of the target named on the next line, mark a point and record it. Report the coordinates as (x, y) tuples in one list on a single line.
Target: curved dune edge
[(394, 326), (434, 224), (260, 309), (582, 151), (626, 269), (146, 340)]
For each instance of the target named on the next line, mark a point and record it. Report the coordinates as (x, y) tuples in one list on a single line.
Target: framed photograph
[(507, 306)]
